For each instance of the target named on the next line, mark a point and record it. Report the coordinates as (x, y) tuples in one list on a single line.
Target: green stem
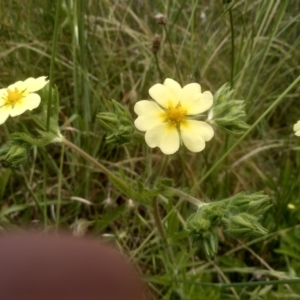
[(28, 187), (158, 67), (54, 43), (95, 162), (45, 176), (186, 196), (155, 202), (158, 221), (232, 48), (60, 185), (173, 55), (163, 166), (243, 284), (271, 107)]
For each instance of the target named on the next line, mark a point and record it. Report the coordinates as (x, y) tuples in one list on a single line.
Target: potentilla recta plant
[(173, 116)]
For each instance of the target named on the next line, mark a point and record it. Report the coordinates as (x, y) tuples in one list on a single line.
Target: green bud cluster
[(227, 113), (117, 123), (203, 227), (238, 215)]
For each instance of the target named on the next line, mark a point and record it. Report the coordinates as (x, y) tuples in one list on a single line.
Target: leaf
[(135, 191), (3, 181), (45, 139), (109, 218)]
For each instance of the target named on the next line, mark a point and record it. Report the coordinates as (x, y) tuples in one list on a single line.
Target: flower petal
[(30, 102), (296, 128), (191, 89), (3, 96), (144, 123), (146, 107), (194, 134), (194, 101), (165, 137), (168, 94), (4, 113), (19, 85), (150, 115), (174, 89), (35, 84)]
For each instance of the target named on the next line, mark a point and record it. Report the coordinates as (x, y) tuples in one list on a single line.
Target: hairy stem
[(95, 162)]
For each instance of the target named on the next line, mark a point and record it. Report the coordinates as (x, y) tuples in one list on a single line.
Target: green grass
[(103, 52)]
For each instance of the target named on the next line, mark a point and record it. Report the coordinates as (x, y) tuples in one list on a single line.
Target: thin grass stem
[(60, 176), (173, 55), (155, 201), (232, 49), (158, 67), (45, 176), (157, 219), (242, 284), (53, 54)]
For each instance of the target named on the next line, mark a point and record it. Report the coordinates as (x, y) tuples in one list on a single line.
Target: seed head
[(156, 43), (161, 19)]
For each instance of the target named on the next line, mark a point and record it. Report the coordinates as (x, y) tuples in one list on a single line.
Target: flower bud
[(108, 120), (14, 154), (210, 244), (117, 123), (228, 113), (197, 224), (245, 225), (255, 204)]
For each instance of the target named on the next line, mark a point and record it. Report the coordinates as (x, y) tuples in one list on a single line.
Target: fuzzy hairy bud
[(245, 225), (14, 154), (117, 123), (227, 113)]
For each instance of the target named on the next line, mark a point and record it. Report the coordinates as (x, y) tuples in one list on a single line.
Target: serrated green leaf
[(45, 138)]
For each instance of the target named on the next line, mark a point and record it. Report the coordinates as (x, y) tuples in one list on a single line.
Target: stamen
[(176, 115), (13, 97)]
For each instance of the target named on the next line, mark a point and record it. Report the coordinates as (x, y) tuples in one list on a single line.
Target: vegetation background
[(104, 52)]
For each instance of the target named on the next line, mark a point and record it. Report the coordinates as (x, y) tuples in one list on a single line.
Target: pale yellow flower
[(168, 121), (297, 128), (20, 96)]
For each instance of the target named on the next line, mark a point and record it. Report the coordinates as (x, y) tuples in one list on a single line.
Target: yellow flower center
[(175, 115), (13, 97)]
